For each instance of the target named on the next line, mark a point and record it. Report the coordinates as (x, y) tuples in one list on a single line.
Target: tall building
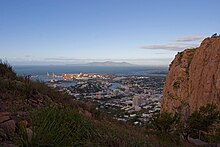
[(136, 100)]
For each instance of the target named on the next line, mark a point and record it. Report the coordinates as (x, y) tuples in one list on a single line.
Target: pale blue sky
[(77, 31)]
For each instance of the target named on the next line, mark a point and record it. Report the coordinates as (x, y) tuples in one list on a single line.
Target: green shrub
[(167, 127), (176, 84), (164, 122), (202, 120)]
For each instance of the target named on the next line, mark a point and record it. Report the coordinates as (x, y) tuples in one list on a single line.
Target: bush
[(165, 122), (167, 127), (202, 120)]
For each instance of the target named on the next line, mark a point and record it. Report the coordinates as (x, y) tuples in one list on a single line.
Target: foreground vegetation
[(63, 126)]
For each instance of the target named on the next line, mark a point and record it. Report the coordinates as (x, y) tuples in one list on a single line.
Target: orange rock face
[(193, 79)]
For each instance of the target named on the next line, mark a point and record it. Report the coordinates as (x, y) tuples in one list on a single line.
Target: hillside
[(33, 114), (193, 79)]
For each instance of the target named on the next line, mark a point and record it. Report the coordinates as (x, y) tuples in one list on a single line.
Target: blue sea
[(121, 71)]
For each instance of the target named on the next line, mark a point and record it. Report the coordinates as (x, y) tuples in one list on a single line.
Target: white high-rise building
[(136, 100)]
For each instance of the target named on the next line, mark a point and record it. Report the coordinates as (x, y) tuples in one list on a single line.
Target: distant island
[(109, 63)]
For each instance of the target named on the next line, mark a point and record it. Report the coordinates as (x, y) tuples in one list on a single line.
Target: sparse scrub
[(62, 126), (6, 70), (28, 86)]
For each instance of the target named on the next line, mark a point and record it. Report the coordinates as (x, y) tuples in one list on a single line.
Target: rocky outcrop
[(11, 126), (193, 79)]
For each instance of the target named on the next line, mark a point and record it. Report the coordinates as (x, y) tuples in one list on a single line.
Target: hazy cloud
[(160, 53), (59, 59), (28, 56), (66, 59), (172, 47), (177, 45), (190, 38)]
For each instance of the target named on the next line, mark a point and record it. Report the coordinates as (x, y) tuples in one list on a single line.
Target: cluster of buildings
[(132, 99), (86, 76)]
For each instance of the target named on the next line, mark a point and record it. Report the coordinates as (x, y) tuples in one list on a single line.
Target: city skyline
[(75, 32)]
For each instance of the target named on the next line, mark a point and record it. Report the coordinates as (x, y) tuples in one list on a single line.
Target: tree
[(164, 122), (201, 120)]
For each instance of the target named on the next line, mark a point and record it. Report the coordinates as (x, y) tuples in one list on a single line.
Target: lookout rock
[(193, 79)]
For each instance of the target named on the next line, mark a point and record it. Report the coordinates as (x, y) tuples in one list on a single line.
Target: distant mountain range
[(110, 63)]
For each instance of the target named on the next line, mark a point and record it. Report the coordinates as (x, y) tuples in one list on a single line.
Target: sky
[(144, 32)]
